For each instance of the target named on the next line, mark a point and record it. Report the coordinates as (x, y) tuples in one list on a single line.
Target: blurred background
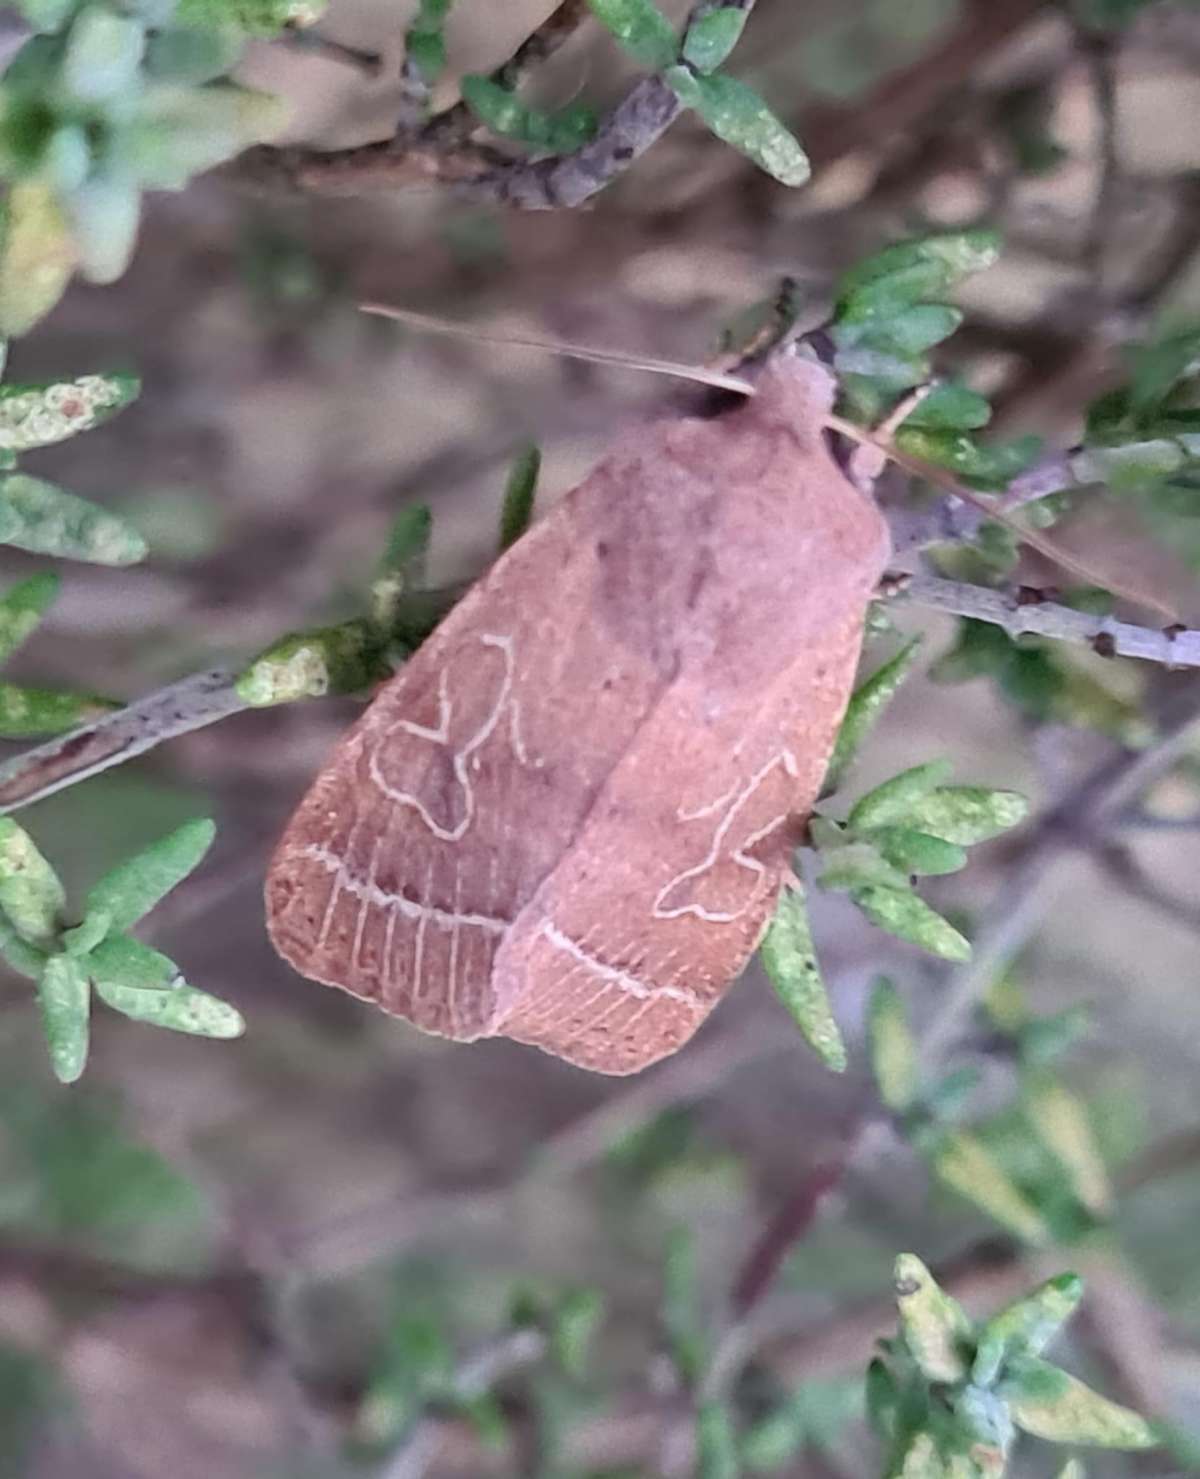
[(260, 1258)]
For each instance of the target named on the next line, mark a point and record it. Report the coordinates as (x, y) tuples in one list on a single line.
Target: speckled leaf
[(133, 887), (893, 1048), (951, 406), (740, 118), (30, 892), (1051, 1404), (907, 916), (519, 493), (37, 516), (1061, 1122), (37, 256), (791, 965), (891, 804), (179, 1007), (1027, 1326), (866, 706), (953, 256), (123, 961), (916, 852), (576, 1319), (26, 713), (965, 815), (22, 607), (854, 865), (39, 415), (711, 38), (337, 659), (641, 28), (935, 1326), (966, 1166), (63, 996)]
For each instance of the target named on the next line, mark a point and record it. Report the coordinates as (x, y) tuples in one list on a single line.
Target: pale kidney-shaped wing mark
[(462, 744), (736, 832)]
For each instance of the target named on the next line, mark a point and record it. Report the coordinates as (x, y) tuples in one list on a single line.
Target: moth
[(567, 818)]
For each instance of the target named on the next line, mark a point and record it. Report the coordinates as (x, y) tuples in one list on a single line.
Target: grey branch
[(189, 704), (1174, 647)]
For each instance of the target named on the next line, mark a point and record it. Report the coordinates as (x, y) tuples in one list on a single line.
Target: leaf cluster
[(949, 1395), (1033, 1166), (106, 102), (38, 516), (69, 962), (690, 66), (888, 315), (912, 826)]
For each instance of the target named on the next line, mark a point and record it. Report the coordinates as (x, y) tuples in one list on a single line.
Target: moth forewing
[(565, 820)]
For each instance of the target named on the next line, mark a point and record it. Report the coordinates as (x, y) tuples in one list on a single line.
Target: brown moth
[(566, 820)]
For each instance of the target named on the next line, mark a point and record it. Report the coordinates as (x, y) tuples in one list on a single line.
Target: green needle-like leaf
[(30, 892), (519, 493), (123, 961), (907, 916), (892, 803), (180, 1007), (133, 887), (935, 1326), (1027, 1326), (37, 255), (641, 28), (740, 118), (1051, 1404), (966, 1166), (25, 959), (63, 995), (916, 852), (22, 607), (576, 1319), (866, 706), (711, 38), (965, 815), (26, 713), (893, 1048), (505, 114), (791, 965), (1061, 1122), (37, 516)]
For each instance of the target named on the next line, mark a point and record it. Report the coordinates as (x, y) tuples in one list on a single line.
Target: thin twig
[(193, 702), (1025, 612)]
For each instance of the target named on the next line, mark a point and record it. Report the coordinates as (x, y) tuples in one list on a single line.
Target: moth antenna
[(698, 374), (1046, 547)]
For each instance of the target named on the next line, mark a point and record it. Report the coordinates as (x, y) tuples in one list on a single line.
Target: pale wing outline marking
[(466, 758), (660, 911)]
